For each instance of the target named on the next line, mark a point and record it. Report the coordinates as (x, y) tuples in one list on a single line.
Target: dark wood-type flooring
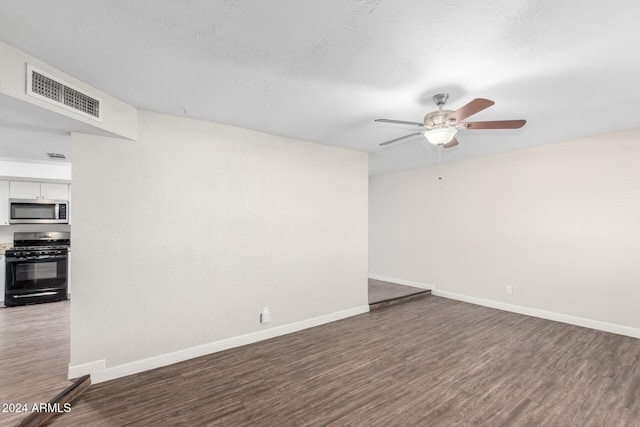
[(34, 348), (383, 294), (428, 362), (34, 355)]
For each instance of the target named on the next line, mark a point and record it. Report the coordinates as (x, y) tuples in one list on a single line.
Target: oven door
[(31, 280)]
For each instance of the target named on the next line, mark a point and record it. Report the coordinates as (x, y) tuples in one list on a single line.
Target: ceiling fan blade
[(470, 109), (451, 143), (498, 124), (399, 122), (401, 138)]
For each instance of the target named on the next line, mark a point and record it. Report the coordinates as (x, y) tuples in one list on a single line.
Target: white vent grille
[(46, 87)]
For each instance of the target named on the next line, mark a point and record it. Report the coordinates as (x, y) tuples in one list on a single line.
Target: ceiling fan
[(440, 126)]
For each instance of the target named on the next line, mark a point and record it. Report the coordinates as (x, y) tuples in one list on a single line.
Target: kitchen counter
[(4, 247)]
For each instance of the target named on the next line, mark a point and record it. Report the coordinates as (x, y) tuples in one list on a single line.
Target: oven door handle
[(42, 258), (37, 294)]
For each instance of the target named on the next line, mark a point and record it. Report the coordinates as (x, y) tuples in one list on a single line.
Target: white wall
[(182, 237), (560, 223), (118, 117), (36, 171)]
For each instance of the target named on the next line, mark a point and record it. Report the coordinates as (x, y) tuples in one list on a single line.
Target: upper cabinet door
[(38, 190), (54, 191), (4, 207), (24, 190)]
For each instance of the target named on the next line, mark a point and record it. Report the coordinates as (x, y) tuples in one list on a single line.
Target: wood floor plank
[(34, 355), (381, 291), (432, 361)]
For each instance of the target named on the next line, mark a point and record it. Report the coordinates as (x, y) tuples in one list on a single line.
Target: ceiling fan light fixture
[(440, 127), (440, 136)]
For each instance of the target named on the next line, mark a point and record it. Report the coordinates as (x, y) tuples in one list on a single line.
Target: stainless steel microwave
[(38, 211)]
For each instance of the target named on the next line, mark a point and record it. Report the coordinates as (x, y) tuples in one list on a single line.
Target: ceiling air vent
[(51, 89), (56, 156)]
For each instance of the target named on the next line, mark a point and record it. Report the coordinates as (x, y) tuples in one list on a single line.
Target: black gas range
[(36, 268)]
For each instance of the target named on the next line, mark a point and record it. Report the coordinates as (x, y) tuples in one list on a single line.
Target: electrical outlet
[(265, 315), (509, 290)]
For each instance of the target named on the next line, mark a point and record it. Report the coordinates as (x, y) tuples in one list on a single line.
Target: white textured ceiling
[(322, 71)]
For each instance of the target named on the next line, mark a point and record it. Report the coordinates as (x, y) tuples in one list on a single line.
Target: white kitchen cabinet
[(4, 203), (69, 274), (24, 190), (2, 278), (53, 191), (38, 190)]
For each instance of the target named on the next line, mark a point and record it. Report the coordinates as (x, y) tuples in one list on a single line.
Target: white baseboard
[(543, 314), (403, 282), (100, 373), (76, 371)]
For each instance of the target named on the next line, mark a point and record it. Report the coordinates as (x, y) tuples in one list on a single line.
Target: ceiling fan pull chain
[(440, 162)]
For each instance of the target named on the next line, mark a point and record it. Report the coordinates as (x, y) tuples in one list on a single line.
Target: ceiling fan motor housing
[(437, 119)]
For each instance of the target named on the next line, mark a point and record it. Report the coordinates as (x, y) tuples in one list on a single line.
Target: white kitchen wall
[(36, 171), (560, 223), (182, 237)]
